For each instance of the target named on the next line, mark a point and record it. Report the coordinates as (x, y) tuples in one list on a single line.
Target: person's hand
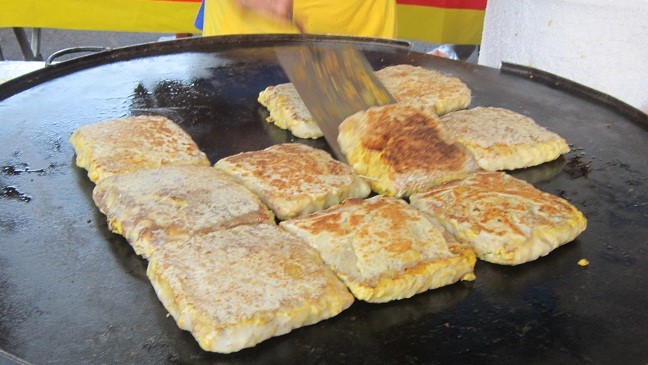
[(277, 8)]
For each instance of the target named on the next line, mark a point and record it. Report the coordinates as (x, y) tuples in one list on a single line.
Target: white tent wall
[(602, 44)]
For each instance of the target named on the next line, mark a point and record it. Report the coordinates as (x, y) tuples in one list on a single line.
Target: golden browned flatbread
[(402, 150), (288, 111), (425, 89), (235, 288), (383, 249), (293, 179), (155, 206), (500, 139), (506, 220), (124, 145)]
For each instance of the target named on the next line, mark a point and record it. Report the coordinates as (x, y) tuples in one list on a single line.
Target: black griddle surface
[(73, 292)]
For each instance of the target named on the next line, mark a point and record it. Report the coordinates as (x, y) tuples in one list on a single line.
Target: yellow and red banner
[(155, 16), (441, 21), (436, 21)]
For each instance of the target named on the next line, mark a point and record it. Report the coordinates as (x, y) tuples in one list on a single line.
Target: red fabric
[(448, 4)]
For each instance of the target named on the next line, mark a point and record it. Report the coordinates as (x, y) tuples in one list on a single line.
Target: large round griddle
[(73, 292)]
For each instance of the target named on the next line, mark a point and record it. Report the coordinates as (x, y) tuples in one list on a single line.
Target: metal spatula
[(334, 82)]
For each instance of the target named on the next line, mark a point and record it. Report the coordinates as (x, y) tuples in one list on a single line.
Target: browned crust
[(409, 138), (402, 149)]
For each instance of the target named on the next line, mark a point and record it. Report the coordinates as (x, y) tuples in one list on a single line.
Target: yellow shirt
[(368, 18)]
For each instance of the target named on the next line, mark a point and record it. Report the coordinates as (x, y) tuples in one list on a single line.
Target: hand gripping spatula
[(334, 82)]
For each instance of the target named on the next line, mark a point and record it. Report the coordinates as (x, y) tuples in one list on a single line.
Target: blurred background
[(563, 37), (53, 40)]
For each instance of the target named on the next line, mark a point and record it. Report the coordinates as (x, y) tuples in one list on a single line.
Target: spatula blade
[(334, 82)]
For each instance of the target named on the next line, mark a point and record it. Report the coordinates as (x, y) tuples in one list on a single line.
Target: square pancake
[(128, 144), (500, 139), (294, 179), (426, 89), (288, 111), (506, 220), (235, 288), (383, 249), (154, 206), (402, 150)]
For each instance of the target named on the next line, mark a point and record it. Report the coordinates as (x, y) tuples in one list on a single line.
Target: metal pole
[(24, 44), (36, 44)]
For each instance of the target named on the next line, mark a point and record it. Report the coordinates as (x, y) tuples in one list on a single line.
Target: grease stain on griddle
[(11, 192), (14, 170), (577, 167), (57, 144), (10, 225), (54, 167), (541, 173), (624, 166), (23, 168)]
